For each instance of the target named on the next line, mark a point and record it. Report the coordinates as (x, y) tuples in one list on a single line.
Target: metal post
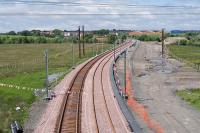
[(93, 46), (97, 49), (114, 51), (83, 40), (93, 51), (163, 50), (47, 81), (102, 47), (125, 74), (79, 41), (162, 43), (72, 54), (114, 47)]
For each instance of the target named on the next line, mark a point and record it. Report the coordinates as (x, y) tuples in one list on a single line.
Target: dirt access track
[(155, 82)]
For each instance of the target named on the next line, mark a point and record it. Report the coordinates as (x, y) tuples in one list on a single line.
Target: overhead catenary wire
[(101, 14), (86, 4), (56, 3)]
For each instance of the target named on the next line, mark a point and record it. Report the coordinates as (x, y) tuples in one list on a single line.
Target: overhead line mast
[(79, 41), (83, 36)]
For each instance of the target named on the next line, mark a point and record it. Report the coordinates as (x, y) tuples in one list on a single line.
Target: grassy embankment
[(23, 65), (191, 55)]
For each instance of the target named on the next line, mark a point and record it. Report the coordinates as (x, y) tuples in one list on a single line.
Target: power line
[(94, 4), (100, 14)]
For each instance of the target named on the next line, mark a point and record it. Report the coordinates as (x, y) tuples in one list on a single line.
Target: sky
[(94, 16)]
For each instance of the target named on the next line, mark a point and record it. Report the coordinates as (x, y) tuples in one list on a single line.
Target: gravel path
[(155, 85)]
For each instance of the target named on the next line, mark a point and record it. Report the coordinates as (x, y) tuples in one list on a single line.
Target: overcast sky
[(149, 21)]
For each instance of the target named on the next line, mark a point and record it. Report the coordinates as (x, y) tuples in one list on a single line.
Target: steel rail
[(102, 88), (69, 119)]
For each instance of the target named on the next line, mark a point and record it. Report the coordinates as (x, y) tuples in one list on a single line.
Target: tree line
[(192, 39), (148, 38), (54, 33), (10, 39), (57, 36)]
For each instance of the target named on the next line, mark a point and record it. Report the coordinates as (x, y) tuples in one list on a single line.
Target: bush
[(124, 37), (8, 39), (102, 32), (183, 42), (88, 38), (148, 38), (112, 39)]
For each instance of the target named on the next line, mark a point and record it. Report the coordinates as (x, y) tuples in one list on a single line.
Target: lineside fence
[(193, 65), (62, 58)]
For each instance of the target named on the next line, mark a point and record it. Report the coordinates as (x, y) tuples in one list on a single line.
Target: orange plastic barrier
[(139, 109)]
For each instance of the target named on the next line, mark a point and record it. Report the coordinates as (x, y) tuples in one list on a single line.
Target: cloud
[(70, 22)]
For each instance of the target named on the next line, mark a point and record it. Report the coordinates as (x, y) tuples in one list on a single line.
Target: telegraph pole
[(46, 67), (83, 40), (163, 43), (79, 41)]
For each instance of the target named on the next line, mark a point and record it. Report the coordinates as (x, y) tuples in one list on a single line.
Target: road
[(155, 82)]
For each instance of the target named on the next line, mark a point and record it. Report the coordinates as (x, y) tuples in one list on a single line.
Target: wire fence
[(61, 59), (193, 65), (22, 67)]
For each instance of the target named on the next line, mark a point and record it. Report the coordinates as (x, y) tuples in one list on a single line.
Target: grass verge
[(10, 99), (191, 96), (190, 55), (23, 65)]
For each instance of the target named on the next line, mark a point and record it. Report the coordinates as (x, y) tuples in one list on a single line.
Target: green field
[(187, 53), (192, 96), (23, 65), (190, 54)]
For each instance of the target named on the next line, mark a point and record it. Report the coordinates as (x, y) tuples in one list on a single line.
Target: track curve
[(70, 117), (101, 112)]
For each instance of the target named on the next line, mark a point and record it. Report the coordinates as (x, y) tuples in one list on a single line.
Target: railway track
[(108, 117), (70, 117), (94, 90)]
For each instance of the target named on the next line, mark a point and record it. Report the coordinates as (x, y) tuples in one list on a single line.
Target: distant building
[(67, 34), (70, 33), (113, 32), (46, 33)]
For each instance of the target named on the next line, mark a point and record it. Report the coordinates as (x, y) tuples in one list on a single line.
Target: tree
[(124, 37), (88, 38), (183, 42), (112, 39), (11, 33), (148, 38), (58, 32), (35, 32), (25, 33), (102, 32)]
